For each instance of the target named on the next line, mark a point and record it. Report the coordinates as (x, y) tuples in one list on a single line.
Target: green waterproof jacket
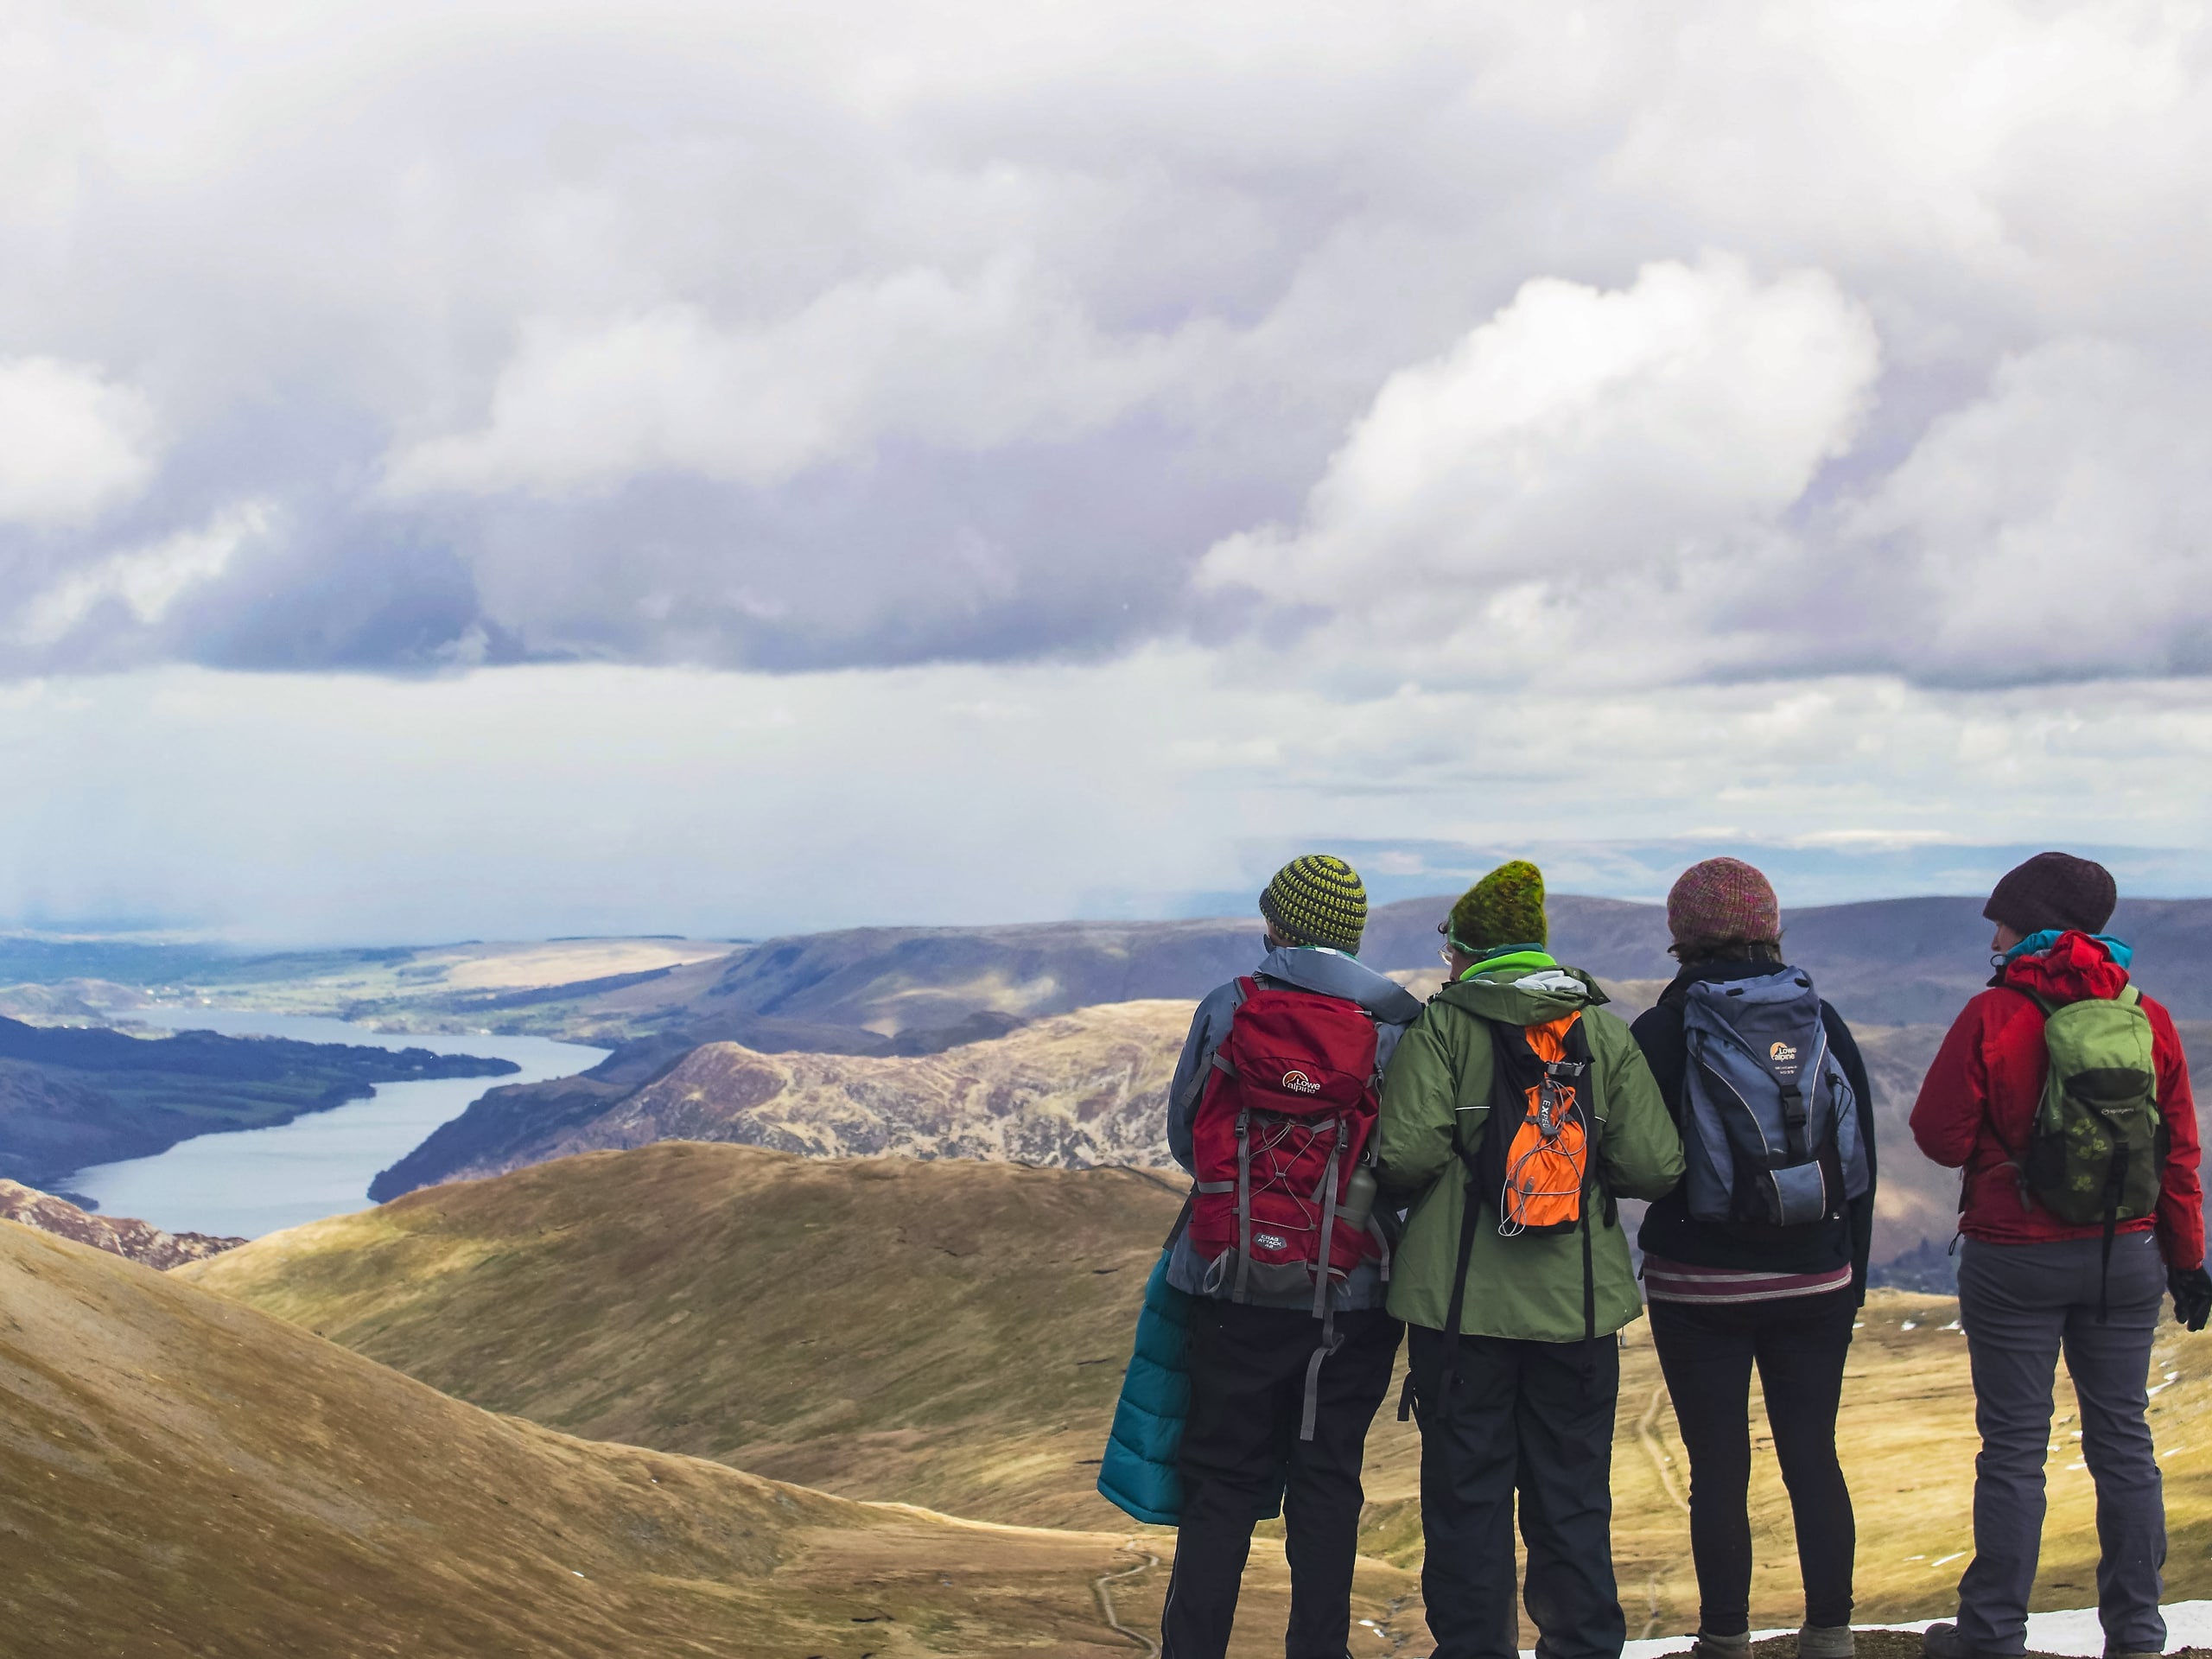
[(1528, 1288)]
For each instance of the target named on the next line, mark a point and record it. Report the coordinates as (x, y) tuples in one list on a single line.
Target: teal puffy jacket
[(1138, 1472)]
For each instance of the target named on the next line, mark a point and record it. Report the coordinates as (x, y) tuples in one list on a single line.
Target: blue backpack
[(1771, 1125)]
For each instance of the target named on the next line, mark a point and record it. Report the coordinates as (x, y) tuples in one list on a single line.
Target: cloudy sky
[(502, 468)]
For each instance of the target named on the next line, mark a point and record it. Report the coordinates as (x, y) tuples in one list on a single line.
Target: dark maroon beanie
[(1723, 901), (2054, 890)]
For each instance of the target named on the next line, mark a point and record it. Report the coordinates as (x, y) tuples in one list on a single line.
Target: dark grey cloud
[(688, 335)]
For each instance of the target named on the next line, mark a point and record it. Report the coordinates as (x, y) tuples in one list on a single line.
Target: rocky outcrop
[(1077, 1091), (135, 1241), (509, 1126)]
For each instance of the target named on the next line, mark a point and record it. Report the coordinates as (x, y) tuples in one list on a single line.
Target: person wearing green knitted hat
[(1317, 900), (1287, 1363), (1516, 1113), (1502, 913)]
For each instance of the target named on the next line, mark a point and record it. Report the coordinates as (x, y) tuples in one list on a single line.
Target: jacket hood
[(1523, 995), (1314, 968), (2074, 970)]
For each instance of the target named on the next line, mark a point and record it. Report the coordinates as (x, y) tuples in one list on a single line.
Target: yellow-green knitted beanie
[(1505, 907), (1318, 899)]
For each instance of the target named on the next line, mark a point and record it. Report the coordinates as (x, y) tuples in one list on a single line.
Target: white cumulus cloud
[(72, 441), (1581, 451), (2062, 522)]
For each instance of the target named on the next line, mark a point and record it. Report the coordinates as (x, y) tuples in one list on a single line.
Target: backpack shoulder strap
[(1246, 988), (1470, 1207)]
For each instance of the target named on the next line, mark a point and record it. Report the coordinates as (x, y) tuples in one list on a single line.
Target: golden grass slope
[(947, 1333), (182, 1475), (1079, 1089), (954, 1334)]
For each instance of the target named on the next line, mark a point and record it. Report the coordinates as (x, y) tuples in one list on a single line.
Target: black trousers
[(1799, 1344), (1241, 1447), (1535, 1418)]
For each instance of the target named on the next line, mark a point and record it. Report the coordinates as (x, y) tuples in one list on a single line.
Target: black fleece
[(1668, 1230)]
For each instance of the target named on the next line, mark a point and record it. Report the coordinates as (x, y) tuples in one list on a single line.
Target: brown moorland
[(953, 1333), (182, 1475)]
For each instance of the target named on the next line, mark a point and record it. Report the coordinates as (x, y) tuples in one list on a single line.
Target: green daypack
[(2097, 1150)]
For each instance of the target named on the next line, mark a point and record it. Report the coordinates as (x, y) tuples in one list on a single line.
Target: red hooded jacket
[(1990, 1072)]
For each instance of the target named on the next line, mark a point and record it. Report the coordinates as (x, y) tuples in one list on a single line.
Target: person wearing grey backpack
[(1759, 1255)]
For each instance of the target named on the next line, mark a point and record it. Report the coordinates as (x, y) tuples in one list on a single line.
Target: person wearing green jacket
[(1515, 1085)]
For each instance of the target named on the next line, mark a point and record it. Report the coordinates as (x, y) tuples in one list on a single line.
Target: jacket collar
[(1331, 973), (1718, 969)]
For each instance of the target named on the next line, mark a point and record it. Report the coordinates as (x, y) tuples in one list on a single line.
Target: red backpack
[(1287, 1111)]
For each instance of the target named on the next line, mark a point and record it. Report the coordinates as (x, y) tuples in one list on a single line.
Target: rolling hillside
[(1893, 962), (181, 1475), (1077, 1090), (953, 1333), (838, 1323), (1888, 962), (1085, 1089)]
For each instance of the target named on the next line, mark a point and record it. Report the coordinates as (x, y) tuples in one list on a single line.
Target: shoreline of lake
[(251, 1182)]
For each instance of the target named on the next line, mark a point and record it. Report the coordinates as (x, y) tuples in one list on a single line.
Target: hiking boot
[(1826, 1642), (1721, 1647), (1943, 1641)]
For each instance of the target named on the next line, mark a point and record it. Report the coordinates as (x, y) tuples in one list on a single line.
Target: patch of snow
[(2075, 1631)]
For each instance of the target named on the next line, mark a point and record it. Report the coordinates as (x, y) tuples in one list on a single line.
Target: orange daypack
[(1539, 1126)]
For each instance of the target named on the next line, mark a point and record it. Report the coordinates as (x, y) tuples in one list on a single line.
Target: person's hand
[(2192, 1293)]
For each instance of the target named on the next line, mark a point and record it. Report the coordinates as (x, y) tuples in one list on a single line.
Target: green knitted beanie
[(1318, 899), (1505, 907)]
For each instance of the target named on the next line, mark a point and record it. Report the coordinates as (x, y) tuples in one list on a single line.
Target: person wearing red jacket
[(2030, 1285)]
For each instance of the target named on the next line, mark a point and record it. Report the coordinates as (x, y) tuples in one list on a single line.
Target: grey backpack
[(1770, 1130)]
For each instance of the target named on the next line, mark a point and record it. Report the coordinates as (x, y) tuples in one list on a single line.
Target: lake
[(256, 1181)]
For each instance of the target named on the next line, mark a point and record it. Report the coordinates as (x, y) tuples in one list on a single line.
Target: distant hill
[(1887, 961), (953, 1333), (135, 1241), (182, 1476), (858, 991), (1076, 1089), (1080, 1089), (70, 1098)]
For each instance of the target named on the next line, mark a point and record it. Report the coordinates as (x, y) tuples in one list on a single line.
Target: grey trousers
[(2020, 1304)]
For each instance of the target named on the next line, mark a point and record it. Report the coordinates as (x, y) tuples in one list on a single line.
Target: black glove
[(2192, 1292)]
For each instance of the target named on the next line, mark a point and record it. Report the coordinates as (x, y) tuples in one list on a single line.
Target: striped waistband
[(1681, 1281)]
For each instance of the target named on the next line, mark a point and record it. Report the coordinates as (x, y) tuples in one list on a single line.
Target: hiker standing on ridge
[(1516, 1113), (1272, 1109), (2062, 1093), (1760, 1254)]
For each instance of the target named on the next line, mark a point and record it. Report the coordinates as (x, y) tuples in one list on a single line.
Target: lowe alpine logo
[(1298, 1083), (1781, 1053)]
